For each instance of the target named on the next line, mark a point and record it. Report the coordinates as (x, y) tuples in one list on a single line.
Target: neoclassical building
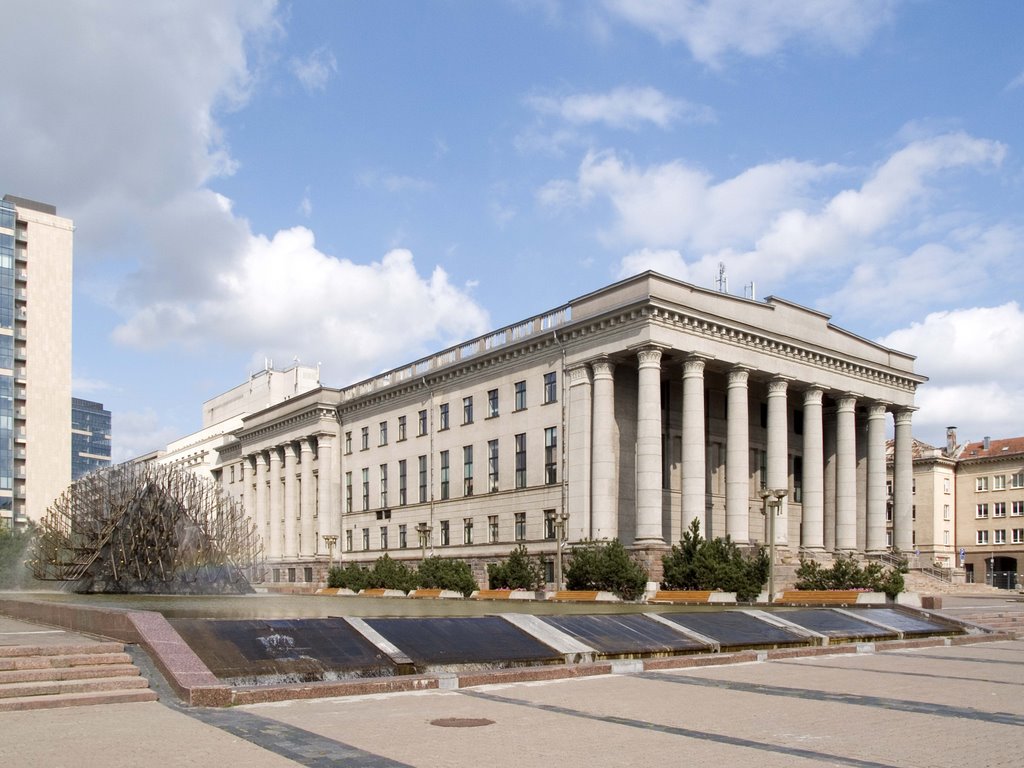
[(626, 413)]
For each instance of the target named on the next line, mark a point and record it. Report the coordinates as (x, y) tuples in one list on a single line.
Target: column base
[(648, 552)]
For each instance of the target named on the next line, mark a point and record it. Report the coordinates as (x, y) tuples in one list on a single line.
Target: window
[(366, 489), (520, 401), (1017, 480), (467, 530), (492, 466), (467, 410), (521, 461), (403, 536), (403, 498), (1017, 508), (551, 455), (364, 439), (981, 510), (1017, 536), (982, 537), (444, 475), (366, 538), (999, 509), (550, 388), (888, 538), (467, 470), (348, 491), (444, 416), (348, 541), (981, 484), (383, 433), (913, 485), (549, 523), (492, 529), (945, 512), (945, 538), (520, 526), (492, 403), (421, 423), (999, 483), (888, 513), (1000, 536), (383, 486), (423, 478), (946, 485), (913, 511), (383, 537), (348, 442), (445, 533), (401, 428)]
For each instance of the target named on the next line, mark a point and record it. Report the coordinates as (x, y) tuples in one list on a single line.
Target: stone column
[(579, 453), (737, 458), (876, 479), (846, 474), (903, 479), (307, 500), (276, 505), (263, 500), (813, 529), (778, 453), (330, 521), (648, 448), (604, 506), (248, 497), (830, 483), (291, 502), (694, 442)]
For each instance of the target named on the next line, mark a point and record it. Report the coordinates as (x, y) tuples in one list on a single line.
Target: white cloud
[(622, 108), (286, 298), (314, 71), (713, 28), (966, 353), (666, 262), (81, 387), (1017, 82), (394, 182), (135, 433)]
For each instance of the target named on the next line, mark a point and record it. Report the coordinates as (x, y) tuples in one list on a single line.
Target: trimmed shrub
[(846, 573), (350, 576), (445, 573), (606, 566), (699, 563), (519, 571), (390, 574)]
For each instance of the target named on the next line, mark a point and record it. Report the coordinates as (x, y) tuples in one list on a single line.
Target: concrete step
[(79, 649), (35, 661), (55, 701), (54, 687), (67, 673)]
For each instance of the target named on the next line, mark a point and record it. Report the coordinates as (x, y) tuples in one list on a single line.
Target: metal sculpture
[(142, 528)]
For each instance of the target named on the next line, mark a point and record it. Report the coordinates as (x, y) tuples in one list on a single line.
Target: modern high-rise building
[(90, 437), (35, 357)]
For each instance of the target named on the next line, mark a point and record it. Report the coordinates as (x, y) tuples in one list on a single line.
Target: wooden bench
[(492, 594), (682, 596), (426, 593), (819, 597), (574, 595)]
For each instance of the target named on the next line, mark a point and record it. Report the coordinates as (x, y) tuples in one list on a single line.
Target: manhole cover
[(461, 722)]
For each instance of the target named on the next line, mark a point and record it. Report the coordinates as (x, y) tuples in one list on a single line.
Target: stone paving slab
[(17, 632)]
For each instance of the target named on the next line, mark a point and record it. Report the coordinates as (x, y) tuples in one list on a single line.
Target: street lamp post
[(424, 531), (330, 540), (560, 522), (771, 501)]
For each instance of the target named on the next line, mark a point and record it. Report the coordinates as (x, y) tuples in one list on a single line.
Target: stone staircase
[(1009, 620), (50, 676)]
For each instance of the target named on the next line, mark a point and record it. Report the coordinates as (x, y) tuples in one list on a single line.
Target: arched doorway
[(1002, 571)]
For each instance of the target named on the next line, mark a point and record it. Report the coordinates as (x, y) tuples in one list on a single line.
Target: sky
[(358, 184)]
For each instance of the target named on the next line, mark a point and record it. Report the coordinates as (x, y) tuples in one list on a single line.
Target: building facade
[(35, 358), (627, 413), (90, 437), (933, 510)]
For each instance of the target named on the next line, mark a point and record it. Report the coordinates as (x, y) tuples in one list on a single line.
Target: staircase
[(46, 677), (1009, 620)]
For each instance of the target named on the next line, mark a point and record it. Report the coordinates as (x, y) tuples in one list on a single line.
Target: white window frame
[(981, 484), (999, 536), (981, 537)]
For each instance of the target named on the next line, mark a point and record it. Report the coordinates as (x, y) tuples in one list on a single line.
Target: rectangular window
[(467, 530), (982, 537), (551, 455), (999, 509), (443, 419), (549, 523), (492, 403), (364, 439), (1017, 480), (913, 511), (445, 533), (467, 410), (1017, 536), (401, 428), (383, 486), (492, 529), (403, 498), (946, 512), (999, 483), (981, 510), (521, 461), (348, 541), (403, 536), (421, 423), (366, 489), (348, 491), (492, 466), (348, 442), (981, 484), (520, 399), (1017, 508), (383, 438), (550, 388), (467, 470), (945, 538), (383, 537), (1000, 536), (366, 539), (444, 475), (520, 526), (888, 513), (423, 478), (946, 486)]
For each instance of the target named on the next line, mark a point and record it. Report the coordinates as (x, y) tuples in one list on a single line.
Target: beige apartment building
[(35, 358), (625, 413)]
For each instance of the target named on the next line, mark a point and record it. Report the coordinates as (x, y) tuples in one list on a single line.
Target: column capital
[(847, 401), (903, 416), (306, 444), (578, 374), (602, 368), (694, 365), (739, 375), (814, 395), (778, 385), (261, 458), (650, 355), (876, 411), (274, 454)]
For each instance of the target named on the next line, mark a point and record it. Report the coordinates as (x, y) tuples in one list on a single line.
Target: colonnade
[(829, 449), (282, 485)]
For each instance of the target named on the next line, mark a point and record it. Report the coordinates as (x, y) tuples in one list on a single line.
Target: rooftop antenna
[(750, 291), (722, 282)]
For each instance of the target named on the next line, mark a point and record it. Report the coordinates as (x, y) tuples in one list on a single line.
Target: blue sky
[(359, 183)]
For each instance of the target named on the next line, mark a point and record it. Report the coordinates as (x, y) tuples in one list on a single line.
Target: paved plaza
[(932, 707)]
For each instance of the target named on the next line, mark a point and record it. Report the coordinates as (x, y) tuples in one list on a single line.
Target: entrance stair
[(51, 676)]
